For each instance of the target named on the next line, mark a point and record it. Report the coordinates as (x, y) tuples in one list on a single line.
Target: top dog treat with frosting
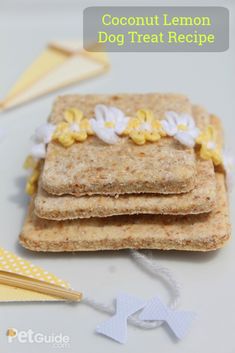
[(118, 158), (199, 200)]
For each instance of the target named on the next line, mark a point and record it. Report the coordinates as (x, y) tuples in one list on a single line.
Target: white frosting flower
[(109, 122), (43, 134), (38, 151), (181, 127)]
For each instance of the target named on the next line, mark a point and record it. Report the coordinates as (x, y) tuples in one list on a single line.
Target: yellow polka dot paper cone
[(12, 263)]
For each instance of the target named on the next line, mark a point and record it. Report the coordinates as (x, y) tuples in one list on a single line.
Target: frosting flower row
[(110, 123)]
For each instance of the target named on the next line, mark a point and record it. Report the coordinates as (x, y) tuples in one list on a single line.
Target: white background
[(207, 279)]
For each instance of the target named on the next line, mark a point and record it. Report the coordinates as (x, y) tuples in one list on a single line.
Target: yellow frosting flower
[(209, 148), (144, 127), (32, 181), (74, 128)]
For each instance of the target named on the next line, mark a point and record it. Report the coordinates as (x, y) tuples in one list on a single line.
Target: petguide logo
[(55, 340)]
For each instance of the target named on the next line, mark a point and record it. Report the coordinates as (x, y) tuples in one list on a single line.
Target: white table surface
[(207, 279)]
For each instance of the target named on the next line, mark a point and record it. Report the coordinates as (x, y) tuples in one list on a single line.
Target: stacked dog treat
[(127, 171)]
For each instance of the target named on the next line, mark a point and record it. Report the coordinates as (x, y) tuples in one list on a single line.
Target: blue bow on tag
[(116, 327), (178, 321), (152, 310)]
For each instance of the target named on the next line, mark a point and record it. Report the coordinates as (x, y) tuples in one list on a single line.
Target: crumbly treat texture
[(202, 232), (200, 200), (93, 167), (166, 196)]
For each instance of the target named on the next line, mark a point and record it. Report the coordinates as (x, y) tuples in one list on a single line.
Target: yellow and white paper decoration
[(12, 263), (61, 64)]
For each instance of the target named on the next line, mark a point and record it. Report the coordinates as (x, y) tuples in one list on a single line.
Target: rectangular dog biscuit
[(202, 232), (200, 200), (93, 167)]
